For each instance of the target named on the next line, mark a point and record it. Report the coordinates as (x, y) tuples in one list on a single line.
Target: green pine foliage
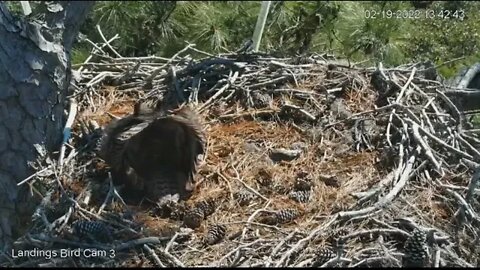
[(442, 40), (292, 28)]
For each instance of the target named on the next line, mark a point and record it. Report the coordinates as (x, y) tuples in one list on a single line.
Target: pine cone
[(279, 188), (95, 229), (178, 212), (322, 256), (198, 213), (58, 207), (269, 219), (416, 250), (302, 196), (286, 215), (302, 184), (193, 218), (264, 177), (260, 100), (169, 208), (215, 234), (244, 197), (207, 207)]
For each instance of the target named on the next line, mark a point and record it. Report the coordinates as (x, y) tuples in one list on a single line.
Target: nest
[(308, 163)]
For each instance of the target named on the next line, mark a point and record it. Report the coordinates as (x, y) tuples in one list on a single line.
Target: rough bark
[(34, 78)]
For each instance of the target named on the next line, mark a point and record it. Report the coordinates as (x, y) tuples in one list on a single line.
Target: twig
[(450, 61), (380, 231), (252, 217), (109, 194), (219, 92), (170, 243), (303, 242), (247, 186), (276, 63), (33, 175), (224, 178), (248, 113), (128, 74), (173, 259), (150, 78), (63, 219), (400, 95), (67, 131), (106, 42), (334, 261), (279, 246), (373, 260), (154, 255), (304, 112), (436, 261), (388, 198), (236, 250), (426, 148), (436, 139), (466, 206), (141, 241), (401, 183), (256, 224), (91, 56), (472, 185), (192, 47), (469, 146), (453, 108)]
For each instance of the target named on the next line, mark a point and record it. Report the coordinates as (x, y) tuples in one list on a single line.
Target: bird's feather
[(151, 149)]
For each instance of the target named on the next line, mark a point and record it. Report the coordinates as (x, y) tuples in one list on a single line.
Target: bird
[(154, 152)]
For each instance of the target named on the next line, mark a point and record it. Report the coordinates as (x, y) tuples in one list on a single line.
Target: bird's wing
[(116, 136), (195, 135), (188, 117), (154, 147), (168, 147)]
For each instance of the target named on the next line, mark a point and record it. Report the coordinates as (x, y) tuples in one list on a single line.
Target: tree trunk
[(34, 78)]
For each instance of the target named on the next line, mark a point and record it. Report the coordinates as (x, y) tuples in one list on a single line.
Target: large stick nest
[(309, 162)]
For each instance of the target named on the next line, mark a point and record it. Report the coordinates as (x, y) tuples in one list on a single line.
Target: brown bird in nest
[(154, 152)]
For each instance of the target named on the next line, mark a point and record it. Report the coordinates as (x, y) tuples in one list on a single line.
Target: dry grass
[(238, 150)]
